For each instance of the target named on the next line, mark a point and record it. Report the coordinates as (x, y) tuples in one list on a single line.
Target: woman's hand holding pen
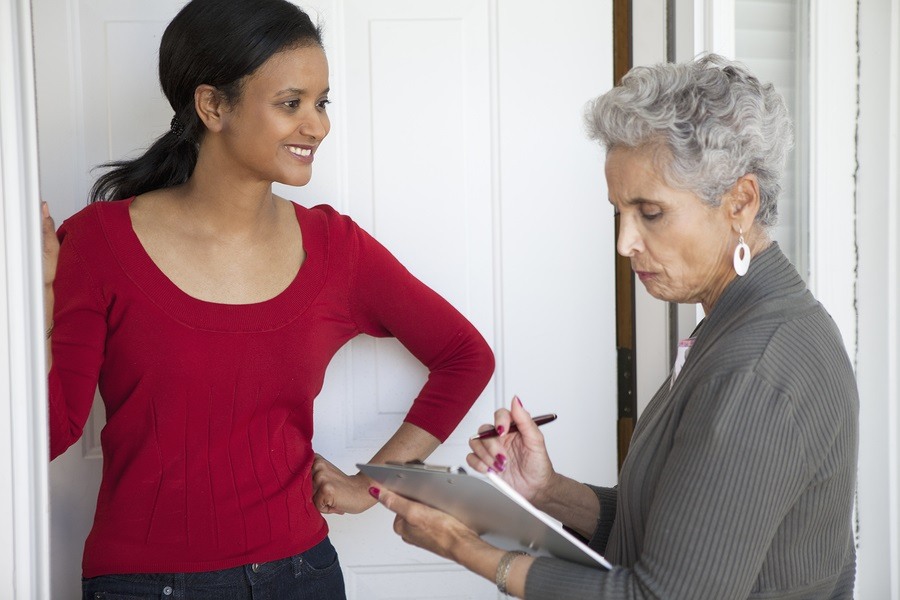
[(520, 458)]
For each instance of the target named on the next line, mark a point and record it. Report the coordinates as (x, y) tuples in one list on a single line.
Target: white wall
[(878, 299)]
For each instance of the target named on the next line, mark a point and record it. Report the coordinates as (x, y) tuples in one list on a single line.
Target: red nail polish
[(500, 429), (501, 459), (374, 491)]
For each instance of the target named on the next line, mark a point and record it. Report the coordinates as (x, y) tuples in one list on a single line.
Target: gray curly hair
[(715, 118)]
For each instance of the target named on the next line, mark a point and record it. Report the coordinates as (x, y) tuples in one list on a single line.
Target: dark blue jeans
[(311, 575)]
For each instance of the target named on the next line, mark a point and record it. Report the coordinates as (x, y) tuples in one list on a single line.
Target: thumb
[(522, 419), (46, 219), (391, 501)]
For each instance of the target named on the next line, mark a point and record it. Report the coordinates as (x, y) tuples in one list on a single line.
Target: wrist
[(544, 494), (501, 577), (363, 483), (466, 548)]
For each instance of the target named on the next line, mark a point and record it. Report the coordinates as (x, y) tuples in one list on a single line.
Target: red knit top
[(207, 447)]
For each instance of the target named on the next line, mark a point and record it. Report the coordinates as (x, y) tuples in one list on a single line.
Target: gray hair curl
[(715, 118)]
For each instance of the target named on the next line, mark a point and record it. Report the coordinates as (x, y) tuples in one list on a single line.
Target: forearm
[(408, 443), (571, 502)]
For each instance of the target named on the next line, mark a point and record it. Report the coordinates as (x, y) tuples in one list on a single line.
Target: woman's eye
[(650, 215), (323, 104), (292, 104)]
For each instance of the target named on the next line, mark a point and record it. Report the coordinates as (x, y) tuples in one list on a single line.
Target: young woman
[(207, 309)]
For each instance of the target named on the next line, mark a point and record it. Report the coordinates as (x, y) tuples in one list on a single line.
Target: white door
[(457, 141)]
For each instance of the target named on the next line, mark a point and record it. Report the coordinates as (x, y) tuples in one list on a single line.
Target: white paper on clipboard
[(489, 506)]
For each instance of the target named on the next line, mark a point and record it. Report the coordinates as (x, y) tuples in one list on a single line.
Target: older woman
[(740, 478)]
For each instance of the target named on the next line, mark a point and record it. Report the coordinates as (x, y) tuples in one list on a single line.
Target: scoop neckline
[(267, 314)]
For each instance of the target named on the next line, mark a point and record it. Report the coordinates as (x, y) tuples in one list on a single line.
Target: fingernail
[(374, 492), (501, 458), (500, 429), (519, 402), (491, 470), (498, 465)]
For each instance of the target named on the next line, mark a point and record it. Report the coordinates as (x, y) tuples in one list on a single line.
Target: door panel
[(457, 141), (407, 83)]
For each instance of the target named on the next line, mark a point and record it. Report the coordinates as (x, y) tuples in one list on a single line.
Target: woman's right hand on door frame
[(49, 246)]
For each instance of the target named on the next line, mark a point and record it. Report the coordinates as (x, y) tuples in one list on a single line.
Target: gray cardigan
[(740, 478)]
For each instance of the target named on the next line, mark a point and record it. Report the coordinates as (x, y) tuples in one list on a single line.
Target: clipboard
[(489, 506)]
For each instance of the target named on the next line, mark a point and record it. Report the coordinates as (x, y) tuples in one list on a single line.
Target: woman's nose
[(316, 125), (629, 240)]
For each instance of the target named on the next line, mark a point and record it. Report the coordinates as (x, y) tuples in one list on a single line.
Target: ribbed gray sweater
[(740, 478)]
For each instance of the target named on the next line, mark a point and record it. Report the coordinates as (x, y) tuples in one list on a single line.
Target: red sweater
[(207, 447)]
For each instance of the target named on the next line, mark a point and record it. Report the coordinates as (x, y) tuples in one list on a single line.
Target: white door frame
[(24, 541)]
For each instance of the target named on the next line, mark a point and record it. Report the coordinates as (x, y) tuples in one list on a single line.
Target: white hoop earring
[(741, 256)]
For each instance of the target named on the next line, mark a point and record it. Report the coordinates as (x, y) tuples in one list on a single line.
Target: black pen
[(541, 420)]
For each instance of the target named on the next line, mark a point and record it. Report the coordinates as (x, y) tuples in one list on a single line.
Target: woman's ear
[(210, 106), (743, 202)]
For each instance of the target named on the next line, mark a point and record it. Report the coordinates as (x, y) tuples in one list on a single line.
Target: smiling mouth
[(304, 152)]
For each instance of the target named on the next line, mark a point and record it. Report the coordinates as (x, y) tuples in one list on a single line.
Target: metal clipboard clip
[(418, 464)]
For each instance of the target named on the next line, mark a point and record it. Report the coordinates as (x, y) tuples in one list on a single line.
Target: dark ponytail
[(213, 42)]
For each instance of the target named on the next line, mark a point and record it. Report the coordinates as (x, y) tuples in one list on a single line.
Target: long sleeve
[(608, 498), (78, 340), (387, 300)]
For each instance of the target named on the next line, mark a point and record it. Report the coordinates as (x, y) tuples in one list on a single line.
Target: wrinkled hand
[(335, 492), (520, 458), (426, 527), (50, 245)]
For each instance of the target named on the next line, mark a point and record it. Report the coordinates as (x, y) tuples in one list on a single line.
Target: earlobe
[(209, 106)]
